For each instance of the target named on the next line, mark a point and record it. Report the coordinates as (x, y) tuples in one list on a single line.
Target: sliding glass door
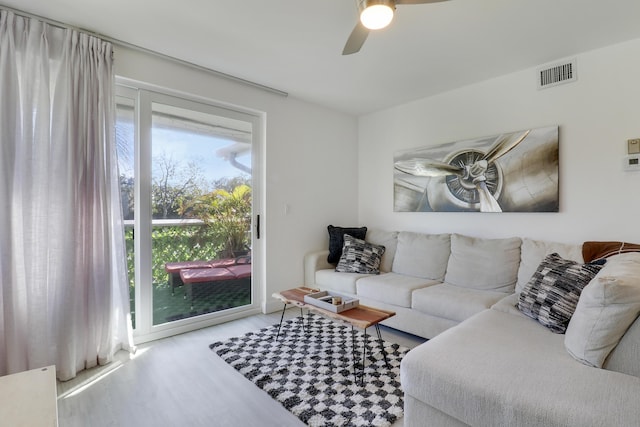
[(189, 196)]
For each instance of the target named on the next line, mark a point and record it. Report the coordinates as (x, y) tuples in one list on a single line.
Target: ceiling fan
[(374, 15)]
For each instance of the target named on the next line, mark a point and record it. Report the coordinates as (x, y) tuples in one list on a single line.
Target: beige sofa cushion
[(496, 369), (330, 279), (508, 304), (487, 264), (533, 252), (422, 255), (388, 239), (391, 288), (454, 302), (624, 357), (607, 307)]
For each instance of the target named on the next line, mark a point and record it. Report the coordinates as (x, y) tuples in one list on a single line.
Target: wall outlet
[(633, 146)]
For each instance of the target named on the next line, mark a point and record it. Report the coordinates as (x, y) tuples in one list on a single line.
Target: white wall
[(596, 115), (310, 158)]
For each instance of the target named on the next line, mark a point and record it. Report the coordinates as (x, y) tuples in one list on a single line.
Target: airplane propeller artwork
[(471, 174)]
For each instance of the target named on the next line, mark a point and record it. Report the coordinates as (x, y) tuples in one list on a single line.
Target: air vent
[(557, 74)]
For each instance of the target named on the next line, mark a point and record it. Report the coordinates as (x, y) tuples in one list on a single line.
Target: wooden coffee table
[(361, 317)]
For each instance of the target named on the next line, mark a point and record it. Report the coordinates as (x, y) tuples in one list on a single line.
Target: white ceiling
[(296, 45)]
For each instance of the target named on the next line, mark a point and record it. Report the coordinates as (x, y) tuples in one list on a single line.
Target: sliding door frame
[(144, 96)]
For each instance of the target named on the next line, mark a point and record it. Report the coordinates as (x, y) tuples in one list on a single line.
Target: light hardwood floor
[(179, 381)]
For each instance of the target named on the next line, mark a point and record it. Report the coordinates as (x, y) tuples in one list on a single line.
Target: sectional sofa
[(486, 363)]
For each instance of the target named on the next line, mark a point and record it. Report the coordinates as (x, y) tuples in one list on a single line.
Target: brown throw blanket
[(598, 250)]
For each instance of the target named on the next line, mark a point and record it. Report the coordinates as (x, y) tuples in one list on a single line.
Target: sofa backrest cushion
[(388, 239), (336, 240), (490, 264), (607, 307), (534, 251), (422, 255)]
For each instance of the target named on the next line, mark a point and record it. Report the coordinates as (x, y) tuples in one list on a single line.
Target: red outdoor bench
[(234, 274), (173, 269)]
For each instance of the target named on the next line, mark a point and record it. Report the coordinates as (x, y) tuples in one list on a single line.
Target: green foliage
[(128, 242), (173, 244), (227, 217), (225, 232)]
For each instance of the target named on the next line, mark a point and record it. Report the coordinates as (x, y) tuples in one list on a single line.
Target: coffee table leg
[(384, 352), (302, 320), (281, 317), (356, 358), (353, 354), (364, 355)]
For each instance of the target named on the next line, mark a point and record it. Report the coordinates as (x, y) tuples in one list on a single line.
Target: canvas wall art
[(511, 172)]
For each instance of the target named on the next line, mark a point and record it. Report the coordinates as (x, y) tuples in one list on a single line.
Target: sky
[(187, 147), (181, 146)]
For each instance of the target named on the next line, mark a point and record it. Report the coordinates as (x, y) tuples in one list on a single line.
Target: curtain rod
[(149, 51)]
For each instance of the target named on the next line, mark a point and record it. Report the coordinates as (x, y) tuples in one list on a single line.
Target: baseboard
[(193, 323)]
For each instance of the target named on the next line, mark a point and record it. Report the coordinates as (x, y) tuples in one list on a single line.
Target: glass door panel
[(125, 147), (201, 208), (189, 191)]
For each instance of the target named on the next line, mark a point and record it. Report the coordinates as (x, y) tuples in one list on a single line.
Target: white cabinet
[(29, 398)]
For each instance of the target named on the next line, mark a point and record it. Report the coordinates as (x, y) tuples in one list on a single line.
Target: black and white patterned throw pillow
[(359, 256), (552, 293)]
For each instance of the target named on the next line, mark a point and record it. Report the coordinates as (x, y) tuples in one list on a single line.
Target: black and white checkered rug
[(311, 372)]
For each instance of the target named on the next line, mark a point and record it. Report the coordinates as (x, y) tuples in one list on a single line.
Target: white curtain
[(64, 290)]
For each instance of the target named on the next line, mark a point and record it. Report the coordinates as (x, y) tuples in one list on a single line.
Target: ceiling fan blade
[(356, 39), (427, 167), (503, 145), (418, 1)]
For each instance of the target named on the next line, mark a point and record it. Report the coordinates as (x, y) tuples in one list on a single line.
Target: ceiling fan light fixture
[(377, 14)]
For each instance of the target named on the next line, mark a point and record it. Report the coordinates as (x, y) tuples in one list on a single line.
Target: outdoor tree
[(229, 183), (173, 183), (126, 196), (227, 214)]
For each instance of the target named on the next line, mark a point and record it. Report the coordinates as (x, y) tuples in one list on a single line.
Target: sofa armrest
[(314, 261)]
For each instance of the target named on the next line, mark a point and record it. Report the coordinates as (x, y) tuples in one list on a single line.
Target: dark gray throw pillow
[(552, 293), (359, 256), (336, 240)]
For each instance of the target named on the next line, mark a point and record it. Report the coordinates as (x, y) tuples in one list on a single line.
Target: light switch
[(633, 146), (631, 162)]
